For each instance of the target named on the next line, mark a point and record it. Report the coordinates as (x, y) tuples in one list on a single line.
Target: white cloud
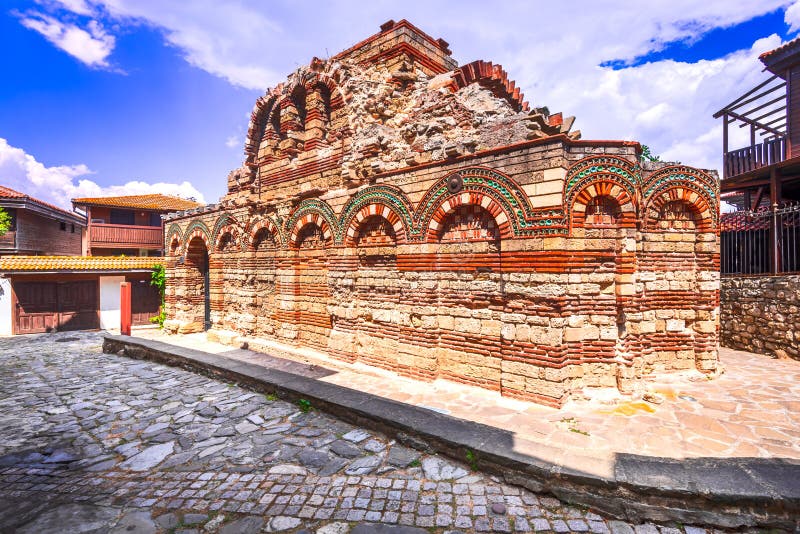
[(232, 141), (554, 51), (79, 7), (58, 185), (230, 41), (91, 46), (667, 105), (254, 44), (792, 17)]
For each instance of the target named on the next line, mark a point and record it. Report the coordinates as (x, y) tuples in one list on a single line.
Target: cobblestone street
[(102, 443)]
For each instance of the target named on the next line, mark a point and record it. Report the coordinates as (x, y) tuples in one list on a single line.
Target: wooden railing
[(754, 157), (125, 236)]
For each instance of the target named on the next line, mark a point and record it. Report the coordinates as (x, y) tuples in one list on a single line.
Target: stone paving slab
[(722, 491), (93, 442), (690, 416)]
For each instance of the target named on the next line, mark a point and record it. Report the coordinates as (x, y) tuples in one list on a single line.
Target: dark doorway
[(198, 281)]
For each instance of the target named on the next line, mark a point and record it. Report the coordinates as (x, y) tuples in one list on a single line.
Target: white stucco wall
[(110, 301), (6, 311)]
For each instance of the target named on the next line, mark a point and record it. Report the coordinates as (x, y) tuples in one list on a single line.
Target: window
[(123, 217), (73, 229), (155, 219), (63, 226)]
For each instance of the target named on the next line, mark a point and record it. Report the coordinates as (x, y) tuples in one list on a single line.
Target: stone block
[(675, 325)]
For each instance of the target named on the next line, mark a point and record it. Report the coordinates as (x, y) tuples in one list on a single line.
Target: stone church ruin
[(402, 211)]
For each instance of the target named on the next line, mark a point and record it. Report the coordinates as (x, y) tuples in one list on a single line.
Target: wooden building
[(39, 228), (59, 273), (128, 225), (764, 175), (49, 293), (760, 234)]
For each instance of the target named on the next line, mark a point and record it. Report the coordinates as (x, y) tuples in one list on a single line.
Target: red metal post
[(125, 308)]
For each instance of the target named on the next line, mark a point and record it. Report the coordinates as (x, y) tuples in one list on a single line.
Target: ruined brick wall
[(760, 314), (424, 220)]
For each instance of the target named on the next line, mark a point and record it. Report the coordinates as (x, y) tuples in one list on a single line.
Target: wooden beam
[(765, 115), (774, 229), (789, 110), (762, 106), (757, 124), (759, 194), (738, 102), (725, 146)]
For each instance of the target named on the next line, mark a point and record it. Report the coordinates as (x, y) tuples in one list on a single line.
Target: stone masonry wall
[(602, 302), (760, 314), (400, 213)]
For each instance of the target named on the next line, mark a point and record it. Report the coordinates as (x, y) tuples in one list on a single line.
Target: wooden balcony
[(754, 157), (126, 236)]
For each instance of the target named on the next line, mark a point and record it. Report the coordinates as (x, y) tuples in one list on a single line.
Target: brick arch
[(310, 220), (602, 188), (229, 229), (603, 168), (473, 198), (678, 182), (488, 187), (337, 94), (680, 193), (259, 122), (174, 234), (260, 224), (388, 201), (369, 211), (225, 224), (197, 229), (312, 211)]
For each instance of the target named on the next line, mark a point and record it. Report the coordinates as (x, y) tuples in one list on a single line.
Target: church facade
[(402, 211)]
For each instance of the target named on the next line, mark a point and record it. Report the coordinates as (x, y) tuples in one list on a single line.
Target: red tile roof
[(147, 202), (785, 46), (7, 192), (77, 263)]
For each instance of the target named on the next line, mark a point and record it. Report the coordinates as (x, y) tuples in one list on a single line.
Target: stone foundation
[(761, 314)]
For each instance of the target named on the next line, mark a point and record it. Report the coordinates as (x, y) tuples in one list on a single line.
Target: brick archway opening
[(198, 294)]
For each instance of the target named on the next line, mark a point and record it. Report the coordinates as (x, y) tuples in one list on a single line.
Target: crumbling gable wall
[(401, 212)]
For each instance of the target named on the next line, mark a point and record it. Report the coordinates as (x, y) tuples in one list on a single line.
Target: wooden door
[(145, 302), (37, 307), (47, 306), (78, 305)]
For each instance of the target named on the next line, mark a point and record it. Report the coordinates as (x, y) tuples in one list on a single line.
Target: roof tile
[(7, 192), (149, 202), (77, 263)]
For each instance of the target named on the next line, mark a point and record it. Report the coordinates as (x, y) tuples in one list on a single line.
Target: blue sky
[(130, 96)]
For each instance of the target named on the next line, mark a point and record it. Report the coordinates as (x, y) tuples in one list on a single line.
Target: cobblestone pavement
[(723, 417), (100, 443)]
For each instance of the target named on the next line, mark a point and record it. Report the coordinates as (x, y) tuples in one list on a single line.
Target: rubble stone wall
[(398, 211), (761, 314)]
